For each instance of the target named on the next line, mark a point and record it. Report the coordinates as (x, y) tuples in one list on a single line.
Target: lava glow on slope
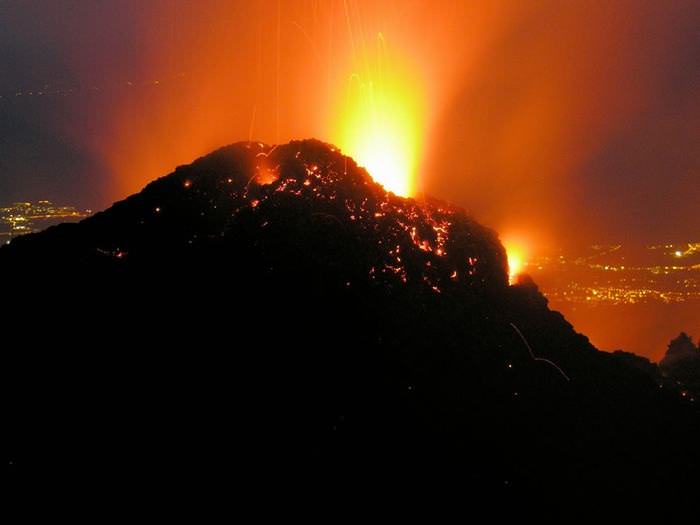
[(380, 123), (516, 257)]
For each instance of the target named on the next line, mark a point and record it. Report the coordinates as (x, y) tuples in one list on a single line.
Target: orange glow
[(515, 265), (380, 124), (349, 73), (265, 176), (504, 108), (517, 260)]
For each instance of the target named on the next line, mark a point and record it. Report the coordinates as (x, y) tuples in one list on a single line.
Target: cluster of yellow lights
[(380, 123)]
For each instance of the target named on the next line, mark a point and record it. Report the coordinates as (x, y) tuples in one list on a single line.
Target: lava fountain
[(517, 256), (380, 121)]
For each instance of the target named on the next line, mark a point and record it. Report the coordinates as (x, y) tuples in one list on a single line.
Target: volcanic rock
[(272, 315)]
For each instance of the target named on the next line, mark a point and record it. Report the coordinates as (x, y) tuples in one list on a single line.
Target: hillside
[(271, 312)]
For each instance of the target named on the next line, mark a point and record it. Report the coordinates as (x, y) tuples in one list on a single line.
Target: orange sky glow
[(497, 107)]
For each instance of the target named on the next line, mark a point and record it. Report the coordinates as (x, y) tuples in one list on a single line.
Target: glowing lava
[(516, 258), (380, 123)]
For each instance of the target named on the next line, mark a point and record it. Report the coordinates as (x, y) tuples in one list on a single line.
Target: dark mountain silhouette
[(269, 316), (680, 367)]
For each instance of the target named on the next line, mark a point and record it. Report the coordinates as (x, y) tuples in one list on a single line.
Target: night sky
[(543, 117)]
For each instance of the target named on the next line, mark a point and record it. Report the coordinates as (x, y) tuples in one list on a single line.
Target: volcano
[(271, 315)]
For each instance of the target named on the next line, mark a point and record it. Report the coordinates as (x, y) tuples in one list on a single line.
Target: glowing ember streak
[(379, 123)]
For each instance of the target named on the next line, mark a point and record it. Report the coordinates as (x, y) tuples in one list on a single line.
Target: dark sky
[(544, 117), (61, 49)]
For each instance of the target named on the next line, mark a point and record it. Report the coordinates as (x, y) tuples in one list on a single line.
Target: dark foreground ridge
[(272, 317)]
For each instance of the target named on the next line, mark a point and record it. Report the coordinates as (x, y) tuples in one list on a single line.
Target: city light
[(620, 275), (20, 218)]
